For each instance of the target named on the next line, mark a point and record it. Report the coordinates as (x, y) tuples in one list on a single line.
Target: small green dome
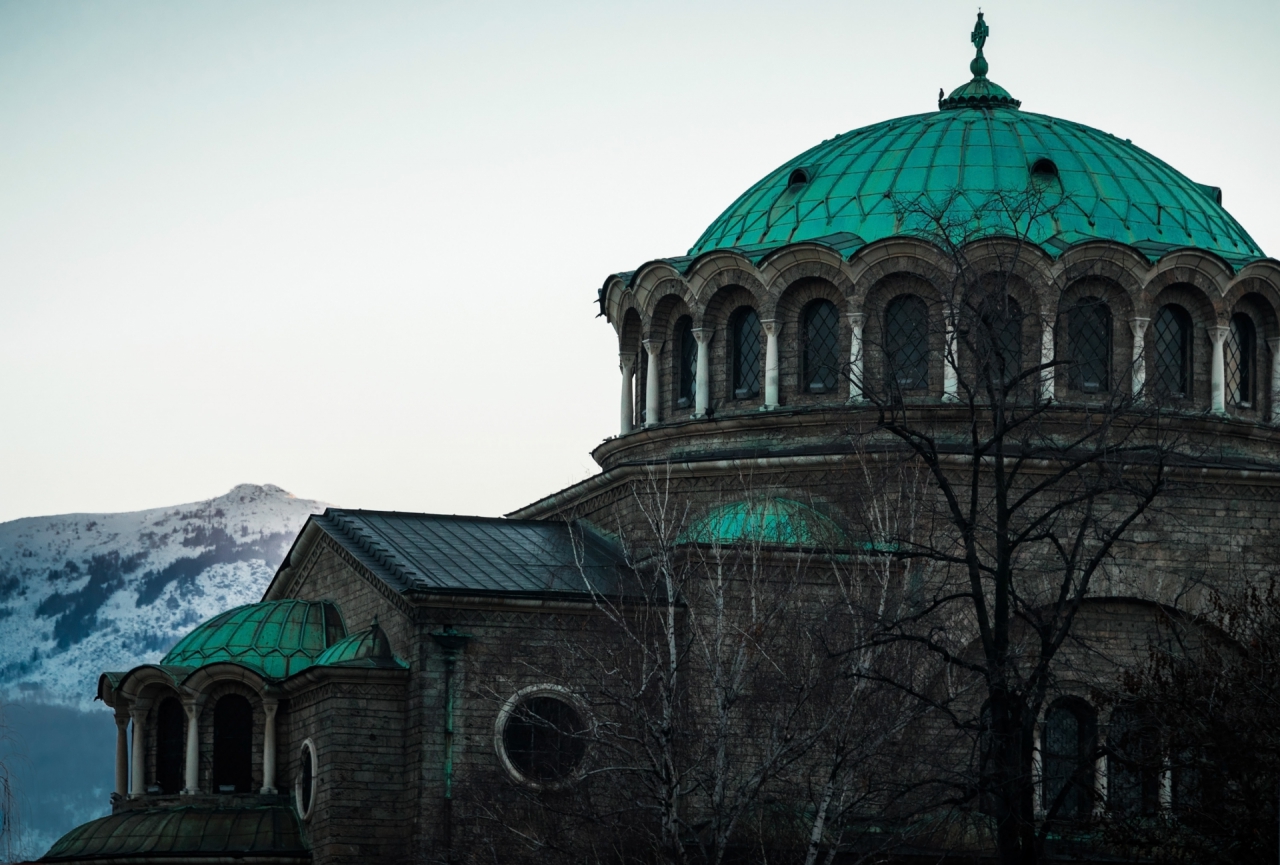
[(974, 163), (164, 834), (367, 648), (274, 638), (769, 521)]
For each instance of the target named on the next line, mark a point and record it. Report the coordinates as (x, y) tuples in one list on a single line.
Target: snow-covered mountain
[(84, 593)]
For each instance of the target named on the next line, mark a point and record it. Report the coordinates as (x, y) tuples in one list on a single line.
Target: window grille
[(1239, 356), (171, 725), (1171, 332), (232, 745), (688, 372), (821, 347), (906, 327), (746, 354), (1133, 764), (1068, 761), (1089, 338), (999, 341), (543, 739)]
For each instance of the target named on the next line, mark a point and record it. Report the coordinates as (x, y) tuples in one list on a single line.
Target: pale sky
[(352, 249)]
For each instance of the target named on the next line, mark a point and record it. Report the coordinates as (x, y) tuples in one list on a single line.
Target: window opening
[(688, 372), (1239, 356), (906, 327), (1044, 169), (999, 343), (1133, 763), (171, 723), (746, 354), (1172, 346), (543, 739), (1089, 337), (642, 384), (821, 347), (306, 778), (799, 177), (232, 745), (1068, 761)]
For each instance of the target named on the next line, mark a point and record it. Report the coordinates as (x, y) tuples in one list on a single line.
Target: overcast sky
[(353, 248)]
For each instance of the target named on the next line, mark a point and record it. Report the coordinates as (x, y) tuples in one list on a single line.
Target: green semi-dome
[(367, 648), (770, 521), (979, 161), (273, 638)]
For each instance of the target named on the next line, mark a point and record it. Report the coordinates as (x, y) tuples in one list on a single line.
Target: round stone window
[(541, 736), (305, 787)]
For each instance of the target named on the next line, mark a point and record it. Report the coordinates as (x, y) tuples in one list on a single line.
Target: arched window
[(1133, 763), (1172, 347), (642, 384), (1089, 341), (906, 344), (821, 347), (745, 327), (232, 745), (687, 374), (171, 723), (1239, 355), (543, 739), (1069, 731), (999, 340)]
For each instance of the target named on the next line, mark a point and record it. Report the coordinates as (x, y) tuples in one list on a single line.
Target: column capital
[(1273, 343), (856, 319), (1217, 333), (653, 346), (702, 335), (1138, 324), (626, 360), (772, 326)]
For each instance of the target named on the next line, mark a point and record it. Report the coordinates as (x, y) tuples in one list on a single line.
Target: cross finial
[(979, 38)]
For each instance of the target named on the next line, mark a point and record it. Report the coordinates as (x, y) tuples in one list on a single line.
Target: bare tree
[(724, 725), (1025, 499)]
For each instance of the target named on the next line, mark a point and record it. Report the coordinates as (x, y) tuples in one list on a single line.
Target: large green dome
[(976, 159)]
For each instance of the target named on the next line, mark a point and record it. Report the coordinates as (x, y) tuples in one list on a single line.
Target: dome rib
[(274, 638)]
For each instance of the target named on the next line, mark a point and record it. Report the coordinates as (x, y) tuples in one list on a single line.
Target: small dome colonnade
[(221, 687), (803, 325)]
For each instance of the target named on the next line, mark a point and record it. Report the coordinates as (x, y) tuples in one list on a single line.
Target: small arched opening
[(232, 745), (1070, 731), (170, 746), (744, 325)]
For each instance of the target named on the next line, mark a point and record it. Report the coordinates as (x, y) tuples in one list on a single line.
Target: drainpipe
[(451, 643)]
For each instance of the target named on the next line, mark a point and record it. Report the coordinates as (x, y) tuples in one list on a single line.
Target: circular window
[(305, 788), (541, 736)]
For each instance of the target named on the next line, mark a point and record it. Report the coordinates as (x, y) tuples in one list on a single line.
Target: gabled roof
[(469, 555)]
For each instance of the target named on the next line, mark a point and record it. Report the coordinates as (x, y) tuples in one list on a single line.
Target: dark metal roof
[(437, 553), (187, 832)]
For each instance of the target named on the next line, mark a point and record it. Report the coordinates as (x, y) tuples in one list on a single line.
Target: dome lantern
[(980, 92)]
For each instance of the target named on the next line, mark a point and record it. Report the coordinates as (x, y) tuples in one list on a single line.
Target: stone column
[(627, 363), (138, 785), (1218, 371), (856, 322), (192, 779), (772, 328), (1037, 773), (1048, 372), (652, 379), (702, 385), (1139, 328), (1274, 345), (950, 376), (122, 753), (269, 746)]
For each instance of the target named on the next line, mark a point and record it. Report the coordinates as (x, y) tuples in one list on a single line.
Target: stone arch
[(1205, 271), (1102, 259), (718, 315), (790, 308), (655, 280), (801, 262), (907, 256), (667, 311), (1120, 307), (610, 299), (719, 269), (213, 691), (875, 306), (1203, 312)]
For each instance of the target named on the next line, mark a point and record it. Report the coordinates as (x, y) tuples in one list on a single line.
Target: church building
[(402, 667)]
